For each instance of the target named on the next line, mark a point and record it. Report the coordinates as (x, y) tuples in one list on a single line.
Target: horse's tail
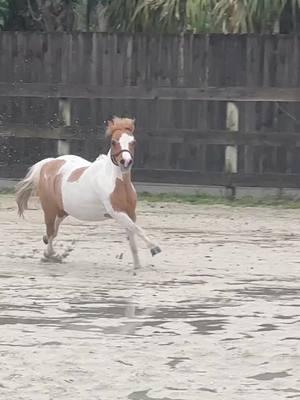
[(28, 185)]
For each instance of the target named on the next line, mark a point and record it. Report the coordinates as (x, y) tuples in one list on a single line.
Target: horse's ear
[(109, 118), (109, 123), (133, 124)]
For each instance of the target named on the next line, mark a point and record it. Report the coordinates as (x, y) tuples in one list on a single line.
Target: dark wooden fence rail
[(57, 89)]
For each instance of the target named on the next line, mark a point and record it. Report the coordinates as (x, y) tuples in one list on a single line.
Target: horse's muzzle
[(125, 163)]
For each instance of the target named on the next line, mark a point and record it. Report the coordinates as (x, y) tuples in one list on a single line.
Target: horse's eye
[(133, 143), (113, 142)]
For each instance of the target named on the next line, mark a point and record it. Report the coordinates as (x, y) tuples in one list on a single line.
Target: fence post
[(232, 124), (64, 106), (231, 152)]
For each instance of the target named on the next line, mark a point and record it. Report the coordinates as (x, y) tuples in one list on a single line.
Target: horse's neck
[(125, 178), (113, 172), (113, 169)]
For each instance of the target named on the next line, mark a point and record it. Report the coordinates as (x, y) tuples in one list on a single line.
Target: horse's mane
[(120, 124)]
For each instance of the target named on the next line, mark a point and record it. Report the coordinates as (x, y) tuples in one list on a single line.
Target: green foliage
[(229, 16), (162, 16), (241, 16), (207, 200), (200, 15), (4, 12)]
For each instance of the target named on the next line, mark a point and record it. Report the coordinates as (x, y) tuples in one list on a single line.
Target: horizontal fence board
[(159, 135), (217, 179), (257, 94), (74, 132), (18, 171)]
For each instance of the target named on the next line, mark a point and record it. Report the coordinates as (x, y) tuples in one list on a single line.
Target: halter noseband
[(113, 156)]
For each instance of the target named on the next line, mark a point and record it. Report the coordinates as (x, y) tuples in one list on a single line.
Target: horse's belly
[(92, 212), (83, 206)]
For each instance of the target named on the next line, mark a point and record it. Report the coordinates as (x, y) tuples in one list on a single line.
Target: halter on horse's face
[(122, 142), (122, 151)]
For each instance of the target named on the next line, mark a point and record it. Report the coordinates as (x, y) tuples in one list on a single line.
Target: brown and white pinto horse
[(71, 185)]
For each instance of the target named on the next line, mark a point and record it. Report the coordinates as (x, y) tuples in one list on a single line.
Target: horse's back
[(74, 161)]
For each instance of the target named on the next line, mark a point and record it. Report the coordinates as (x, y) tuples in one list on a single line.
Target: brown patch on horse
[(124, 197), (76, 174), (117, 126), (50, 194)]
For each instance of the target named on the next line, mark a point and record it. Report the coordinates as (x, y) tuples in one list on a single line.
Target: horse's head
[(120, 130)]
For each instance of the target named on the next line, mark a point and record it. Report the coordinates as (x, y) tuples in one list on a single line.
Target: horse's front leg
[(132, 227), (134, 249)]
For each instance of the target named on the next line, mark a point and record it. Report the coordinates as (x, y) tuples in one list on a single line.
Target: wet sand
[(215, 316)]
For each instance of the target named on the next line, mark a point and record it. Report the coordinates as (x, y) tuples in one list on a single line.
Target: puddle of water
[(267, 328), (204, 389), (176, 360), (288, 390), (143, 395), (269, 376), (266, 292), (208, 327)]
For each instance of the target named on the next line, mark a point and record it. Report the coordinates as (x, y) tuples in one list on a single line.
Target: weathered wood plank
[(287, 61), (196, 73), (189, 177), (47, 132), (218, 179), (235, 61), (85, 57), (126, 62), (269, 61), (47, 57), (158, 135), (107, 59), (258, 94), (254, 61), (163, 62), (141, 60), (216, 58)]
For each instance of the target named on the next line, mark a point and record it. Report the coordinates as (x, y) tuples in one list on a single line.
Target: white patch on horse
[(125, 141)]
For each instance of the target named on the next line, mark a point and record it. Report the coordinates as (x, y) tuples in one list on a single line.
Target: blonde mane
[(120, 124)]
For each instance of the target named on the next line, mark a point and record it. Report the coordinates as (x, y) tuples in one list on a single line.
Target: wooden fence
[(210, 109)]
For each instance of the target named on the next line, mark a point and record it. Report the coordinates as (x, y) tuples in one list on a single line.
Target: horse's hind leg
[(57, 222), (48, 238), (52, 230), (50, 215)]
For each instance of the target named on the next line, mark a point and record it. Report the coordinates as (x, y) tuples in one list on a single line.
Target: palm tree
[(45, 15), (241, 16), (229, 16), (164, 16)]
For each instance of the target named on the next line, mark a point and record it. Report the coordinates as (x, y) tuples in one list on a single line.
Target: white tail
[(28, 185)]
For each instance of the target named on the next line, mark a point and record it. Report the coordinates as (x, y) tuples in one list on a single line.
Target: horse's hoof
[(48, 255), (53, 257), (155, 250), (45, 239)]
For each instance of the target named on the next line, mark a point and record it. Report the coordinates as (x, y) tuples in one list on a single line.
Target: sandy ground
[(214, 316)]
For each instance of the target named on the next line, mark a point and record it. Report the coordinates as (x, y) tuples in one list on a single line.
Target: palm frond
[(233, 16)]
